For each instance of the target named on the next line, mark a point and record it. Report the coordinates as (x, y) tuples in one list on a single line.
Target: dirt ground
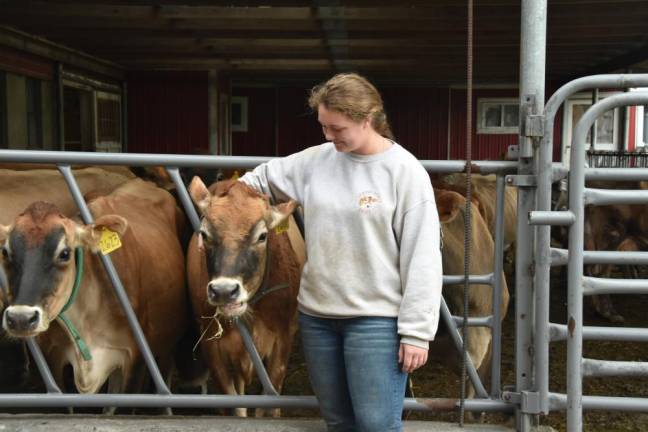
[(435, 380)]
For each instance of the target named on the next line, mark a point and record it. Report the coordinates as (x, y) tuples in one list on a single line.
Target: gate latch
[(521, 180), (529, 402)]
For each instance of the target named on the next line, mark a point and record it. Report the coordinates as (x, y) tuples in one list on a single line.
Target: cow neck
[(265, 290), (78, 340)]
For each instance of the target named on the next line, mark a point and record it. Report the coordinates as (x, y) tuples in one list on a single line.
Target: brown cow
[(21, 188), (451, 207), (237, 257), (484, 189), (39, 258)]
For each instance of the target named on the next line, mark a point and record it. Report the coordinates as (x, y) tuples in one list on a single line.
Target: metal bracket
[(513, 152), (521, 180), (529, 402), (534, 126)]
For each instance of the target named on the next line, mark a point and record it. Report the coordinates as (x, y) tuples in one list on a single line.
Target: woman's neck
[(375, 144)]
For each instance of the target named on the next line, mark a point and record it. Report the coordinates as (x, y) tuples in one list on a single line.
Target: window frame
[(4, 112), (482, 129), (242, 126), (568, 126), (34, 96)]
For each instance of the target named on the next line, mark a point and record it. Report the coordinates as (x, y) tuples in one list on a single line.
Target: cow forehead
[(38, 222), (236, 213)]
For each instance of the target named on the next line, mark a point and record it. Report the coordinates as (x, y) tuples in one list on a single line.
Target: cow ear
[(91, 234), (279, 213), (448, 205), (4, 232), (199, 194)]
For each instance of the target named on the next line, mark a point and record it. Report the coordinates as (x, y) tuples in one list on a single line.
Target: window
[(108, 122), (498, 116), (607, 125), (239, 109), (34, 114), (3, 110), (641, 132)]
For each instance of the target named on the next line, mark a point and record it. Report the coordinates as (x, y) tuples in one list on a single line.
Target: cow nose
[(223, 291), (22, 318)]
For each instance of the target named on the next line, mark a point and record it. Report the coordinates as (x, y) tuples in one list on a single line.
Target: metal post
[(532, 78), (496, 331)]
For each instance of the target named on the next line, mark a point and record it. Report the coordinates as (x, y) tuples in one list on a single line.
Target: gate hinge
[(534, 126), (521, 180), (529, 402)]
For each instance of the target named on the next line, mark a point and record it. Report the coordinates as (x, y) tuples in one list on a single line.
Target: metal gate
[(539, 399), (486, 400)]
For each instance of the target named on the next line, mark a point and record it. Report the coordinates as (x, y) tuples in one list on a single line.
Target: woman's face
[(346, 134)]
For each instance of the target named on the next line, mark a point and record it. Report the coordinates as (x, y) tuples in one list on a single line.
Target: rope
[(76, 336), (467, 214)]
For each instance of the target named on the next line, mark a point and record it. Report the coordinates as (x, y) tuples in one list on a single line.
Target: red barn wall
[(168, 112), (281, 123)]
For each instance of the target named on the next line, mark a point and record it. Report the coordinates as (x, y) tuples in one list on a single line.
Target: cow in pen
[(241, 267), (451, 206), (60, 294)]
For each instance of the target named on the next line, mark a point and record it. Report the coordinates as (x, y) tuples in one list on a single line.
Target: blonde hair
[(355, 97)]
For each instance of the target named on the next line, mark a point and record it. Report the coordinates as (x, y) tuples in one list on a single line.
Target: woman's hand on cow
[(412, 357)]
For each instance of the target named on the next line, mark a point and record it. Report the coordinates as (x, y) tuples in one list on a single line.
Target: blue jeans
[(354, 371)]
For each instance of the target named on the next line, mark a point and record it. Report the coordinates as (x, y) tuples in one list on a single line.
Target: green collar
[(78, 340)]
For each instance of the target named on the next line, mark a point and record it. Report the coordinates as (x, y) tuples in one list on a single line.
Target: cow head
[(234, 234), (38, 256)]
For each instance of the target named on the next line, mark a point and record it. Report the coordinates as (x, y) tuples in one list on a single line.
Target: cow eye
[(262, 237), (204, 235), (5, 253), (64, 255)]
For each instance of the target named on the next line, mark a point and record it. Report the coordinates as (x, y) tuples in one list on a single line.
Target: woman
[(371, 287)]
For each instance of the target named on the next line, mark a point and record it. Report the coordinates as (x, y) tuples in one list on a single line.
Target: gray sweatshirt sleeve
[(421, 274), (282, 178)]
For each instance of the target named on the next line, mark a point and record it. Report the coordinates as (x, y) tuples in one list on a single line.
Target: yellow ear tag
[(282, 227), (109, 241)]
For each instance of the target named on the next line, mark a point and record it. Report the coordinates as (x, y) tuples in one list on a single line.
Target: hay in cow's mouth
[(233, 309)]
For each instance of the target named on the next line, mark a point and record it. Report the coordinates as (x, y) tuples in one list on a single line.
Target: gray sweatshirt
[(372, 235)]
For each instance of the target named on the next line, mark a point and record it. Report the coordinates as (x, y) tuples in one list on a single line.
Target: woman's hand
[(412, 357)]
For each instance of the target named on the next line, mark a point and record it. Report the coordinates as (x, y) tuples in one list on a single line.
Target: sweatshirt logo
[(368, 200)]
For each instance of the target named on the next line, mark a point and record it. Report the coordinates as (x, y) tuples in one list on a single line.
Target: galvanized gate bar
[(496, 321), (43, 368), (142, 343), (184, 198), (560, 257), (545, 176), (615, 196), (456, 338), (598, 286), (615, 174), (559, 332), (576, 244), (604, 403), (608, 368), (224, 401), (193, 161)]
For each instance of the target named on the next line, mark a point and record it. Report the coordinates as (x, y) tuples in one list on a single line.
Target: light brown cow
[(484, 189), (451, 207), (39, 258), (238, 256), (21, 188)]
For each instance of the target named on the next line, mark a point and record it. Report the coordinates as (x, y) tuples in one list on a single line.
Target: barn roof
[(410, 41)]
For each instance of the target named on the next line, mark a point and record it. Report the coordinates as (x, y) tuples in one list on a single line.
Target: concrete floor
[(79, 423)]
